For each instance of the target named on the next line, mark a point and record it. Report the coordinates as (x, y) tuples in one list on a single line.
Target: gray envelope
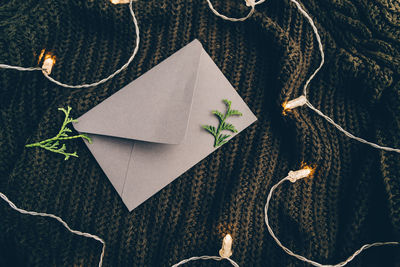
[(150, 132)]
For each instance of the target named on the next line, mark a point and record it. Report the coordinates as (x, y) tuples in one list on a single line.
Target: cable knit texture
[(353, 198)]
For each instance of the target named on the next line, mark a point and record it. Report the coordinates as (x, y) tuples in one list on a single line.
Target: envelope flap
[(155, 107)]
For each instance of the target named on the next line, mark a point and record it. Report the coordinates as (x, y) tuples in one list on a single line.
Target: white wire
[(229, 18), (348, 134), (216, 258), (5, 66), (320, 113), (288, 251), (302, 258), (321, 50), (34, 213)]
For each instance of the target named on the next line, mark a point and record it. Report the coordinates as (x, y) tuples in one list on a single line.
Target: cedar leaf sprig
[(220, 138), (53, 144)]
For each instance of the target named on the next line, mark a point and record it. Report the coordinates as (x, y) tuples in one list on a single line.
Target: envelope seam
[(127, 169), (194, 90)]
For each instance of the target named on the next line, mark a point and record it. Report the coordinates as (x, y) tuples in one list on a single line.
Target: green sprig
[(220, 138), (53, 144)]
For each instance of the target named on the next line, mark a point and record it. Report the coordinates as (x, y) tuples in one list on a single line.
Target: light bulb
[(306, 171), (250, 2), (297, 102), (226, 250), (48, 63)]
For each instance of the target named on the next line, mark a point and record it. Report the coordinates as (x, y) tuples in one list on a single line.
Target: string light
[(320, 113), (293, 177), (297, 102), (226, 250), (226, 243), (48, 63), (46, 74), (302, 100), (42, 214), (250, 3)]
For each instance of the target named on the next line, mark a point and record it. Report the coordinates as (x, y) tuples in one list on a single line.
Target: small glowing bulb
[(297, 102), (116, 2), (48, 63), (226, 250), (300, 174), (250, 2)]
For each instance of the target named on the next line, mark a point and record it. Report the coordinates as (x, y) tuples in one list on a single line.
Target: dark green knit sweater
[(353, 199)]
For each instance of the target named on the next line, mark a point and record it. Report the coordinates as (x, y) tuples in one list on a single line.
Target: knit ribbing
[(267, 59)]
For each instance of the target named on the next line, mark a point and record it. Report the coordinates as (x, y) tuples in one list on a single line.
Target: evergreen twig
[(53, 144), (220, 138)]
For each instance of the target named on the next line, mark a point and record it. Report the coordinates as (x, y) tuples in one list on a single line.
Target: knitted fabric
[(353, 198)]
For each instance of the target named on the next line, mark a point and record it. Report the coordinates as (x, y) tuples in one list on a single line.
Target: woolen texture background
[(353, 198)]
